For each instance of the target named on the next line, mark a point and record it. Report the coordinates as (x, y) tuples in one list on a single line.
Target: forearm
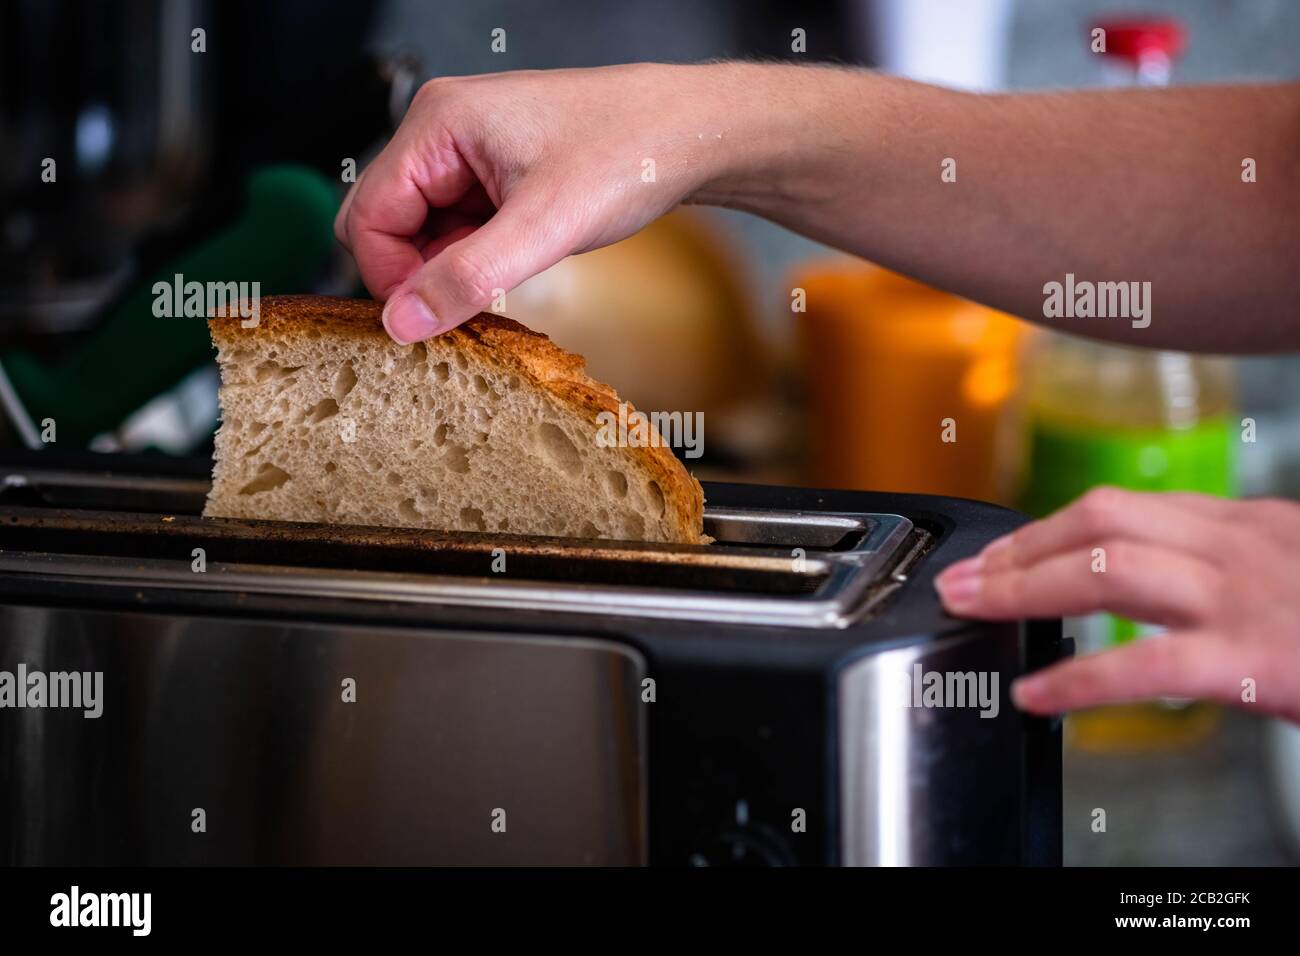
[(1110, 186)]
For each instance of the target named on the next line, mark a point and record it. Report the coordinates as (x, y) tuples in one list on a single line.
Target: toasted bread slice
[(490, 427)]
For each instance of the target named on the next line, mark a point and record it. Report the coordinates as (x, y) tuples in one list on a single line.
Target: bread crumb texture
[(489, 428)]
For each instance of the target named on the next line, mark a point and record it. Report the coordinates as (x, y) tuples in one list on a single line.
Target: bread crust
[(496, 340)]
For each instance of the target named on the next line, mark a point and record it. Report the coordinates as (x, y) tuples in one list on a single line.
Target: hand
[(492, 179), (1222, 576)]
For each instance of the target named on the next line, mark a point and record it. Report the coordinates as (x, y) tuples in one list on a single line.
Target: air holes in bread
[(557, 448), (617, 483), (413, 358), (268, 478), (472, 518), (258, 447), (344, 381), (266, 371), (655, 494), (325, 408), (457, 460)]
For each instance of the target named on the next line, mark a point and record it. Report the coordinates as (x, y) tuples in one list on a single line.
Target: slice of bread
[(490, 427)]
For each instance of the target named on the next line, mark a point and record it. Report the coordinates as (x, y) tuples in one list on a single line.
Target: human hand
[(492, 179), (1222, 576)]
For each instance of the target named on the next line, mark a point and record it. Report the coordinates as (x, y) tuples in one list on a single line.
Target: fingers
[(341, 217), (1166, 665), (446, 235), (1142, 581), (1278, 519), (1115, 515), (1210, 506), (380, 226), (427, 239), (384, 214), (522, 239), (1181, 560)]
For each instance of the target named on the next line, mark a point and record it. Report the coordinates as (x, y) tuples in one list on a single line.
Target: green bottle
[(1138, 419)]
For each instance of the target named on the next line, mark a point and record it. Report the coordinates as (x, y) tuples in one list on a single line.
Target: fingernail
[(407, 319), (961, 569), (960, 592)]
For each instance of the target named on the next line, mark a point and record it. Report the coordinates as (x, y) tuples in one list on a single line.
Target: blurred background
[(228, 162)]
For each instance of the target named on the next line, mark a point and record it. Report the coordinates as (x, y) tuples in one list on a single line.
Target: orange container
[(909, 388)]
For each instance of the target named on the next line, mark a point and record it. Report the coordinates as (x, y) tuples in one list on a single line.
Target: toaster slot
[(345, 549), (816, 569), (93, 491)]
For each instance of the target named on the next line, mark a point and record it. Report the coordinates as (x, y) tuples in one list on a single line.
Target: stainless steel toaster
[(279, 693)]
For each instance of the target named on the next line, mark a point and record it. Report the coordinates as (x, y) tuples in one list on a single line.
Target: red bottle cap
[(1135, 37)]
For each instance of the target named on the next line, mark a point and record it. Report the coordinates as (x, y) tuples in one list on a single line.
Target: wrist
[(788, 132)]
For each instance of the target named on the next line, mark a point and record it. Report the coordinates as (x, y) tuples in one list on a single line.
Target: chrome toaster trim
[(845, 584)]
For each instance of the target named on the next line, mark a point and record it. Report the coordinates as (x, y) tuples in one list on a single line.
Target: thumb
[(517, 242)]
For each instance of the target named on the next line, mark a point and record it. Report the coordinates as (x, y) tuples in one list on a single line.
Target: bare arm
[(1129, 185)]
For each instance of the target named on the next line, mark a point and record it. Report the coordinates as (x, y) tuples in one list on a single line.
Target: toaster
[(183, 690)]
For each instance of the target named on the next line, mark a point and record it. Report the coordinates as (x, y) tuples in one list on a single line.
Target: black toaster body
[(271, 693)]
